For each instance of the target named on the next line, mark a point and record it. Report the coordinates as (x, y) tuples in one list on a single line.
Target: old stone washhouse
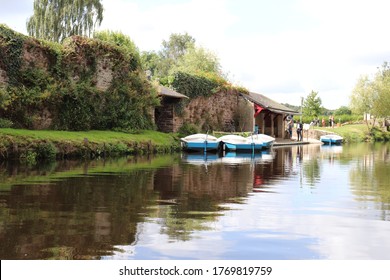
[(229, 111)]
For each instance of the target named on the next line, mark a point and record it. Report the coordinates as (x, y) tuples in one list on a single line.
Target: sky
[(283, 49)]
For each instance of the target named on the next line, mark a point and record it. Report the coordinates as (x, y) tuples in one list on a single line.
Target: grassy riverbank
[(358, 133), (31, 145)]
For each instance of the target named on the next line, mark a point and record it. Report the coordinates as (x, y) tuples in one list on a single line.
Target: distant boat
[(331, 139), (240, 143), (200, 143)]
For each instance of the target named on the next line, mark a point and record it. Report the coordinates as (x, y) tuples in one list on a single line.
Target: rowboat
[(331, 139), (240, 143), (267, 141), (200, 143)]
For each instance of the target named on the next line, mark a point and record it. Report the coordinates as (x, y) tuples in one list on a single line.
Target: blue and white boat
[(240, 143), (266, 140), (331, 139), (200, 143)]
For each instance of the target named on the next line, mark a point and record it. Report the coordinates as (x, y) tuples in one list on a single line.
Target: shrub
[(29, 157), (188, 129), (4, 123), (46, 151)]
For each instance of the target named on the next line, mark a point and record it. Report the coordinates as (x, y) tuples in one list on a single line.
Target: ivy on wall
[(66, 87)]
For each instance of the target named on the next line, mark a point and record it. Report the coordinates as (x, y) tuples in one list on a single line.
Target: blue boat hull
[(201, 146), (243, 147), (332, 141)]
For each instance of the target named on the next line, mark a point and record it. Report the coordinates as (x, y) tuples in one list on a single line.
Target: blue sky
[(283, 49)]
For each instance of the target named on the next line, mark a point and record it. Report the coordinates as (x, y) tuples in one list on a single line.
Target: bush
[(379, 135), (188, 129), (46, 151), (337, 118), (4, 123)]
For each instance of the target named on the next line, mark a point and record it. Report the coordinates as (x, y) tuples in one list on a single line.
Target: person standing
[(299, 130), (290, 128)]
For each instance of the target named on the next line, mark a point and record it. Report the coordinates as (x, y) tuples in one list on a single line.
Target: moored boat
[(267, 141), (200, 143), (240, 143), (331, 139)]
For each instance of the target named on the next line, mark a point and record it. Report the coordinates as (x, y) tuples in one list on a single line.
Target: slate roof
[(164, 91), (269, 104)]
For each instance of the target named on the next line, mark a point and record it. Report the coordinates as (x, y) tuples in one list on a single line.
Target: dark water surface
[(300, 202)]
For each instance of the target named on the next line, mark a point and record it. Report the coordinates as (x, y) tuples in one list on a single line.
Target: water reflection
[(301, 202)]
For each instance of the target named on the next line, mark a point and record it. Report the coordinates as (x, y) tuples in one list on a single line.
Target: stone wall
[(223, 111)]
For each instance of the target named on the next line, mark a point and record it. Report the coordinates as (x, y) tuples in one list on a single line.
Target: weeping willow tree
[(56, 20)]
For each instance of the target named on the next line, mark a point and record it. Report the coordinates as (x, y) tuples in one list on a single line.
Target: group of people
[(316, 122), (299, 127)]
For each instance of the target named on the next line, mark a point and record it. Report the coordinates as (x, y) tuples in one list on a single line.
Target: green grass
[(94, 136), (35, 144)]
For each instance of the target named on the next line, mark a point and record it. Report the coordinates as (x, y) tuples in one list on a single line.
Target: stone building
[(165, 115), (270, 116), (227, 111)]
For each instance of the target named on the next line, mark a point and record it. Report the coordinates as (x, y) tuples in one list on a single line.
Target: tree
[(312, 105), (150, 61), (373, 96), (362, 98), (381, 104), (173, 49), (197, 60), (177, 46), (56, 20), (343, 110)]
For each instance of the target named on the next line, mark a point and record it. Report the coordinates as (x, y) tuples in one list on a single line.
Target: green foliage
[(56, 20), (188, 129), (351, 133), (11, 47), (46, 151), (66, 87), (373, 96), (29, 158), (362, 97), (194, 86), (342, 119), (177, 46), (123, 41), (150, 60), (312, 105), (381, 106), (379, 135), (4, 123), (343, 110), (197, 60)]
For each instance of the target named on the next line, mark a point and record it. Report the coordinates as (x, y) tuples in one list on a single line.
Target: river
[(291, 203)]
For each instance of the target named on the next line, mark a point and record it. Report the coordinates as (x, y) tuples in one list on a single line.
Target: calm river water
[(299, 202)]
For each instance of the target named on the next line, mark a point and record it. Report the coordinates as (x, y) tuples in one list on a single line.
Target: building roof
[(164, 91), (269, 104)]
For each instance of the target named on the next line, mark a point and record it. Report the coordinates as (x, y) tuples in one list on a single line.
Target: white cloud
[(202, 19)]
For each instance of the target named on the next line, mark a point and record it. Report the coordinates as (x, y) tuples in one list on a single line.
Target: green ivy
[(67, 86), (11, 49), (194, 86)]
